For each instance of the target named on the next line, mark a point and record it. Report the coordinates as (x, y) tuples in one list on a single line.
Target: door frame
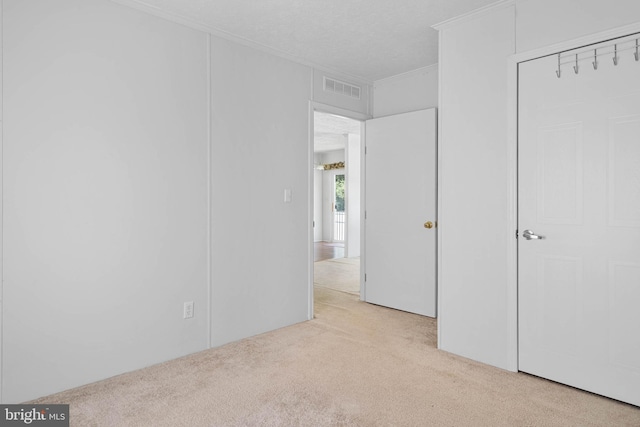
[(512, 167), (325, 108)]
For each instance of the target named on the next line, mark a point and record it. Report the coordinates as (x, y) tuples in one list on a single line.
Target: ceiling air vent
[(336, 86)]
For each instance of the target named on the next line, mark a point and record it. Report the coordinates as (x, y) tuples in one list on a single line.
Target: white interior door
[(400, 189), (579, 187)]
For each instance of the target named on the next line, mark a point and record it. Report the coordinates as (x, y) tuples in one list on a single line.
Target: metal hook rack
[(617, 48)]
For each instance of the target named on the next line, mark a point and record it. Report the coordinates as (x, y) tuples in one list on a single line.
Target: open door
[(400, 213)]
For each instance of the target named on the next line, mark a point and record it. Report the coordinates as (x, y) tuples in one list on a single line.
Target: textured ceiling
[(368, 39)]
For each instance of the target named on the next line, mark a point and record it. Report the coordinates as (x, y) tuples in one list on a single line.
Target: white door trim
[(512, 167), (325, 108)]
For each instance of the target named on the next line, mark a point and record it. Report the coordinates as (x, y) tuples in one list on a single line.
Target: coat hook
[(558, 72), (636, 54), (595, 59), (576, 67), (615, 54)]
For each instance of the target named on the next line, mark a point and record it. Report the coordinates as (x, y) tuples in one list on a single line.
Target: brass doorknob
[(428, 224)]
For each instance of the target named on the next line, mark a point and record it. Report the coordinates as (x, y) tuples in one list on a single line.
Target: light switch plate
[(188, 310)]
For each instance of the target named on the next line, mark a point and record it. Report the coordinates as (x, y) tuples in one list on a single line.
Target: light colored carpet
[(340, 274), (355, 364)]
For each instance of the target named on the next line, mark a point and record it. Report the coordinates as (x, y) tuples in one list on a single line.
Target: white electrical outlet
[(188, 310)]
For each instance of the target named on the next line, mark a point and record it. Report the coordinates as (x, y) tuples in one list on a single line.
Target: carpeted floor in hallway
[(340, 274)]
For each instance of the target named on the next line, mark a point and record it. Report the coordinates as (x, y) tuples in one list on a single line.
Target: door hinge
[(365, 277), (365, 214), (516, 234), (365, 150)]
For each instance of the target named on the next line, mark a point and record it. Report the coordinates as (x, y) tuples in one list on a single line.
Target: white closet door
[(400, 199), (579, 187)]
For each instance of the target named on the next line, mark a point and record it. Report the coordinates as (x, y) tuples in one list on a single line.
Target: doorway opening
[(336, 202)]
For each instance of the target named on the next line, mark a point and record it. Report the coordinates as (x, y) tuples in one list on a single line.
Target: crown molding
[(501, 4), (216, 32)]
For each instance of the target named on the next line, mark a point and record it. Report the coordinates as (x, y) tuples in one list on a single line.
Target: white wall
[(317, 204), (328, 179), (116, 126), (353, 170), (328, 185), (105, 196), (260, 243), (476, 305), (415, 90), (362, 105), (542, 23), (323, 194), (334, 156), (473, 185)]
